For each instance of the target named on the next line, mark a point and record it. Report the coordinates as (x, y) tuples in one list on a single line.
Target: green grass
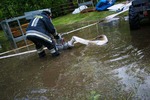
[(73, 21), (81, 17)]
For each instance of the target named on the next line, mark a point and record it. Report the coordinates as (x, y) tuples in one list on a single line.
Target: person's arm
[(51, 29)]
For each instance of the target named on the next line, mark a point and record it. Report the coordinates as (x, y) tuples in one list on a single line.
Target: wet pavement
[(115, 71)]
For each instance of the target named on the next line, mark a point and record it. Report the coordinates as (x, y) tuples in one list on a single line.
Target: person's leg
[(40, 49), (42, 39), (38, 46), (52, 48), (50, 44)]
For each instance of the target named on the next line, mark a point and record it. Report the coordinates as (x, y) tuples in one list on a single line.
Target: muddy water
[(118, 70)]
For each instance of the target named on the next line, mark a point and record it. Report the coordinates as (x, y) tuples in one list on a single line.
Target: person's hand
[(57, 36), (59, 39)]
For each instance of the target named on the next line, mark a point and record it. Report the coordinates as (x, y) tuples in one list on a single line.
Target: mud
[(118, 70)]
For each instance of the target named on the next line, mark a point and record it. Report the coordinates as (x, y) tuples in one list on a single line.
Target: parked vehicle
[(139, 10)]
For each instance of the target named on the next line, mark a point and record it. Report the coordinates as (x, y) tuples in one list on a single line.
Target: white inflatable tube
[(103, 40)]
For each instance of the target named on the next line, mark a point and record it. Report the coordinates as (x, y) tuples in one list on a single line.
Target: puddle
[(118, 70)]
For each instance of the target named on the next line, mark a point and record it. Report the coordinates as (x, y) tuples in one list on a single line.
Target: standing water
[(118, 70)]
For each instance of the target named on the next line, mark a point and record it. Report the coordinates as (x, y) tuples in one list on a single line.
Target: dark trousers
[(40, 42)]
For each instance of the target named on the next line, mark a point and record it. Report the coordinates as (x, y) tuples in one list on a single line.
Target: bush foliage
[(13, 8)]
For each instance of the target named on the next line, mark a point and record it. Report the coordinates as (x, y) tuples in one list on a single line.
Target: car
[(139, 10)]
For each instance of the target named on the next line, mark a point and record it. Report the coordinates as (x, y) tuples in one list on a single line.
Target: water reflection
[(117, 70)]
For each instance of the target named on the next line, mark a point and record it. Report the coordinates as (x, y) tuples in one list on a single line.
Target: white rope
[(18, 54), (106, 18), (78, 29), (14, 50), (114, 15)]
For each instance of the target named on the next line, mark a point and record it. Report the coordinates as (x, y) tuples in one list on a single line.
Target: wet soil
[(115, 71)]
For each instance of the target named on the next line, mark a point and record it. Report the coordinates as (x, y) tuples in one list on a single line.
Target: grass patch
[(81, 17)]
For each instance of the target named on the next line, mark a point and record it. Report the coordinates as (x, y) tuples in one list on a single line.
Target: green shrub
[(4, 42)]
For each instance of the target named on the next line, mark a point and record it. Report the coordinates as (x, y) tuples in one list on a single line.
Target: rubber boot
[(54, 52), (42, 54)]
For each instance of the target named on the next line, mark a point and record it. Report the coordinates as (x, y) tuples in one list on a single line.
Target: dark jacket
[(42, 23)]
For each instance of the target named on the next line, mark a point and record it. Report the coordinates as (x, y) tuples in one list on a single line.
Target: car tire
[(134, 19)]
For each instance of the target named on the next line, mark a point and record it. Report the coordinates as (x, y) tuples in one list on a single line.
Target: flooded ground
[(118, 70)]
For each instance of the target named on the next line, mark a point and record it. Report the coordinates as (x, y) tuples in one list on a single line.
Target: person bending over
[(42, 33)]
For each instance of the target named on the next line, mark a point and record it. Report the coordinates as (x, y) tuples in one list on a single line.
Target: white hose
[(103, 40)]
